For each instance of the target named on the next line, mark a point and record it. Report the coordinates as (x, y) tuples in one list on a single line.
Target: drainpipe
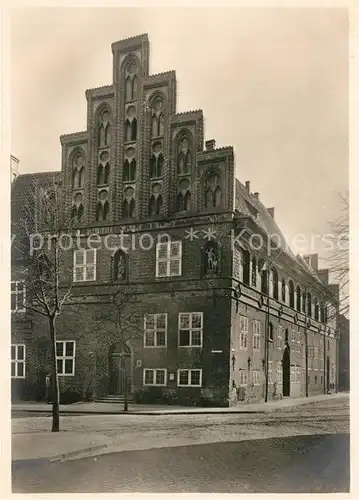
[(306, 344)]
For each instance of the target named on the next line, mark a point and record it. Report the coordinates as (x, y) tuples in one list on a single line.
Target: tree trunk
[(55, 379), (125, 404)]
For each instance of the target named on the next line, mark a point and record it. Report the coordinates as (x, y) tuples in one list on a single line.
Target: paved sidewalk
[(136, 409)]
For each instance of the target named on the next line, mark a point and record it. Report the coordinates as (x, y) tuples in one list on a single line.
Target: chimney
[(256, 195), (210, 145), (312, 260), (248, 186), (271, 212)]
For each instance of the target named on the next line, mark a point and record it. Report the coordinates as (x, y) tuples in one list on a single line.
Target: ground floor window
[(270, 372), (242, 377), (65, 357), (154, 376), (256, 377), (17, 361), (279, 372), (189, 378)]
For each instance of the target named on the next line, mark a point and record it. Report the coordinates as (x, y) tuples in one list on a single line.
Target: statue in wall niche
[(120, 266), (211, 264)]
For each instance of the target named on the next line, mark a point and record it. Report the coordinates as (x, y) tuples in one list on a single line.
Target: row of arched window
[(255, 274)]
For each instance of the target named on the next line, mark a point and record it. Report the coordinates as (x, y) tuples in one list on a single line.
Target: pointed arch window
[(155, 205), (100, 175), (102, 211), (322, 312), (254, 272), (309, 304), (274, 283), (303, 302), (129, 208), (316, 309), (134, 129), (284, 294), (291, 294), (298, 298), (156, 165), (212, 192), (245, 264), (129, 170), (77, 212), (104, 129)]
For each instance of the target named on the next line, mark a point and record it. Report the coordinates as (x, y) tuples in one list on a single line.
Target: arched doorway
[(286, 372), (120, 365)]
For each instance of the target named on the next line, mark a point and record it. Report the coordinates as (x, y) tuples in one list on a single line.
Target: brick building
[(219, 309)]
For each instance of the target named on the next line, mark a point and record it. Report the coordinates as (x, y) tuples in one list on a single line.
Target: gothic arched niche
[(104, 128), (155, 201), (212, 189), (211, 258), (184, 145), (130, 67), (120, 265), (78, 169), (157, 108), (129, 204), (184, 196)]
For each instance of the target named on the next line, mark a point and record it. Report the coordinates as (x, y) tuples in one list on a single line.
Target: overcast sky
[(273, 83)]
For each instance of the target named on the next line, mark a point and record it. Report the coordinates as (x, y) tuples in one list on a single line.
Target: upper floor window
[(274, 283), (129, 170), (65, 357), (284, 294), (84, 265), (190, 329), (309, 304), (299, 297), (157, 124), (291, 294), (184, 155), (243, 332), (254, 272), (212, 195), (168, 259), (263, 274), (155, 330), (256, 334), (316, 309), (17, 361), (18, 296), (303, 302), (246, 259), (156, 165)]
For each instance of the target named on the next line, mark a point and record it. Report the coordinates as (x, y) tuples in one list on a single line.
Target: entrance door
[(120, 370), (286, 372)]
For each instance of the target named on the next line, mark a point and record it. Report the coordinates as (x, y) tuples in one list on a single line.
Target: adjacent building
[(221, 311)]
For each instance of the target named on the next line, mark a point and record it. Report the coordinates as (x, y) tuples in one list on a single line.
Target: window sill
[(155, 346), (190, 346)]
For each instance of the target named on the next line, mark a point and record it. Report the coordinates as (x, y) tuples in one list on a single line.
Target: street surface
[(299, 449)]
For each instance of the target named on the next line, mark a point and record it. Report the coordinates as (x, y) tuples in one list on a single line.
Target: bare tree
[(43, 219), (338, 260), (120, 321)]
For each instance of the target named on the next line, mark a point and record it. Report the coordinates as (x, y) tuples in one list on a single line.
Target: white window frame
[(16, 293), (155, 330), (190, 329), (154, 371), (256, 328), (189, 377), (243, 333), (16, 361), (168, 259), (279, 373), (256, 377), (85, 252), (243, 378), (63, 358)]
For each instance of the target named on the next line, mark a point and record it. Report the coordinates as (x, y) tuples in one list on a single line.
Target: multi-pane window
[(298, 341), (256, 334), (169, 259), (292, 373), (18, 295), (65, 357), (17, 361), (242, 377), (189, 378), (190, 329), (154, 376), (270, 372), (279, 373), (243, 332), (294, 339), (84, 265), (256, 377), (155, 330)]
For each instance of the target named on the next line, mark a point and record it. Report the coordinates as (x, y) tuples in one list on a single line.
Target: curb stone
[(72, 454)]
